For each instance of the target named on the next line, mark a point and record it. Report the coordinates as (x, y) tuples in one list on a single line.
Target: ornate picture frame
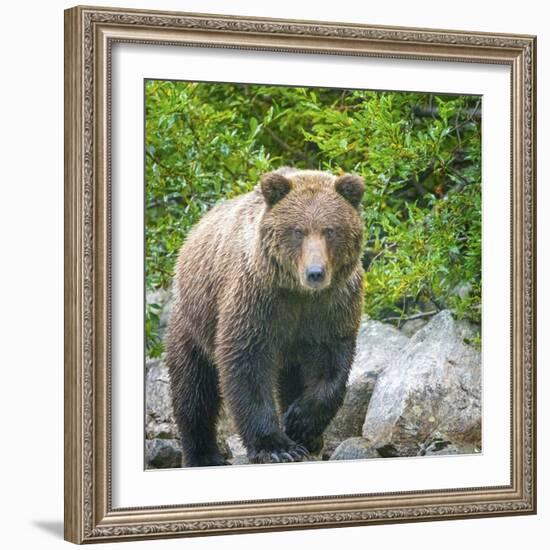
[(90, 34)]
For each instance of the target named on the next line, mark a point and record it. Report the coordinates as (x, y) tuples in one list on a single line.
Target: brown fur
[(249, 325)]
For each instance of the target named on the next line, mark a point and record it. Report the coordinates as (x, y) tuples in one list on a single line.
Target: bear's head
[(312, 227)]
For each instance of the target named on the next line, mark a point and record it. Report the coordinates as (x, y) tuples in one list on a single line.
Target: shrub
[(419, 154)]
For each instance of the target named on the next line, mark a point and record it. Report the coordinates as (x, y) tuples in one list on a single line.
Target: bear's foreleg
[(247, 379), (325, 371)]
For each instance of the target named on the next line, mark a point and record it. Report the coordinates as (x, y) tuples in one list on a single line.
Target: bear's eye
[(298, 233), (330, 233)]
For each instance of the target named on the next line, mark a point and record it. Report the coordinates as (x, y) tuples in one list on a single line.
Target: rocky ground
[(411, 392)]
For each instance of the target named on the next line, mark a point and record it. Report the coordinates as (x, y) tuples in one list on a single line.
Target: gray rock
[(432, 391), (354, 448), (158, 296), (411, 327), (239, 460), (150, 363), (349, 419), (159, 418), (467, 330), (162, 453), (235, 445), (378, 345), (225, 430), (438, 446)]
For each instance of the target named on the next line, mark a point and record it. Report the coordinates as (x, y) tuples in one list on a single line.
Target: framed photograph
[(299, 274)]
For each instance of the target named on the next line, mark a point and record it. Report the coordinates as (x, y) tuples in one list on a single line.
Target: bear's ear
[(274, 187), (351, 187)]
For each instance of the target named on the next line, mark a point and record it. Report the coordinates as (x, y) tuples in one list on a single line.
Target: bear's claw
[(295, 454)]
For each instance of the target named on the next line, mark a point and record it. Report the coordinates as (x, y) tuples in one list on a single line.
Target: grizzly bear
[(268, 300)]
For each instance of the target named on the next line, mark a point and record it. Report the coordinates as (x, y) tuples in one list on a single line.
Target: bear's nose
[(315, 274)]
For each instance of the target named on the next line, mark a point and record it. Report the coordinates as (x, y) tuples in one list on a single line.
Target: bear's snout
[(314, 265), (315, 274)]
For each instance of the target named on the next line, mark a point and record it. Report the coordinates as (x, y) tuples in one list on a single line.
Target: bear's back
[(213, 253), (225, 232)]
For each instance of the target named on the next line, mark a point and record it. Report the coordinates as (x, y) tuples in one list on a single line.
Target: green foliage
[(419, 155)]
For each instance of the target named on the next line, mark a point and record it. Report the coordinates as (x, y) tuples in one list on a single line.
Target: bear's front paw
[(276, 448), (299, 425)]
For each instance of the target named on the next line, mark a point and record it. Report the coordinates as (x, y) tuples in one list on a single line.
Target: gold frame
[(89, 35)]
